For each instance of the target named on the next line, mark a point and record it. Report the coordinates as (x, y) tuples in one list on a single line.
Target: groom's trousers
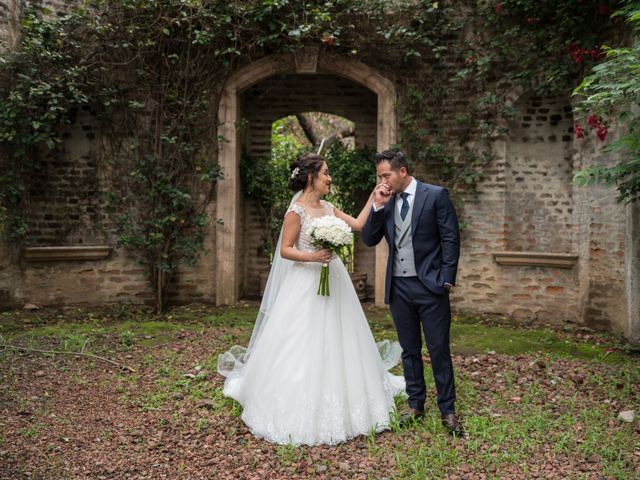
[(414, 308)]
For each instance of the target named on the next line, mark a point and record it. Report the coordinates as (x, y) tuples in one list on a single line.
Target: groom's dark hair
[(395, 158)]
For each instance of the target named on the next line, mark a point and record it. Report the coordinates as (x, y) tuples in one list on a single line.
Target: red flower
[(593, 121), (578, 131), (578, 54), (470, 60), (328, 39), (531, 21), (498, 8), (602, 132)]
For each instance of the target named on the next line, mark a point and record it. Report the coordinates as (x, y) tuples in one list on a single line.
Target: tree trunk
[(313, 133)]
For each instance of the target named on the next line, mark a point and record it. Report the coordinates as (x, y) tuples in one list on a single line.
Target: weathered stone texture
[(601, 242), (63, 202), (538, 177), (11, 11), (527, 202)]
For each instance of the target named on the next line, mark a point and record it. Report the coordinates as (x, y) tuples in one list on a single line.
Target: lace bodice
[(303, 243)]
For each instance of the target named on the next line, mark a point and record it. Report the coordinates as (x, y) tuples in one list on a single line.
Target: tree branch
[(310, 129), (79, 354), (313, 132)]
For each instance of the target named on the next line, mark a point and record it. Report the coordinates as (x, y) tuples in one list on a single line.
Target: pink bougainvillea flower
[(593, 121), (578, 131), (470, 60), (602, 132), (498, 8)]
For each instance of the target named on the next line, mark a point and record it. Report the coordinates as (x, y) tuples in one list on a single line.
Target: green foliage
[(267, 182), (353, 176), (497, 46), (613, 90), (126, 339), (43, 91)]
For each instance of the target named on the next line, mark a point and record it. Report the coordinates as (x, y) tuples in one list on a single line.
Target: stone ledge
[(535, 259), (76, 252)]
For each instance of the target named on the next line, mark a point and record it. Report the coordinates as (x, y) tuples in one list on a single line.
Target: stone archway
[(305, 61)]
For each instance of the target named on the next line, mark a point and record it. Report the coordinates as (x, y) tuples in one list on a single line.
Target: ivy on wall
[(152, 71), (612, 90)]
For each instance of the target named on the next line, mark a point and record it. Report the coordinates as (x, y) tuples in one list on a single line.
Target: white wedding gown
[(315, 376)]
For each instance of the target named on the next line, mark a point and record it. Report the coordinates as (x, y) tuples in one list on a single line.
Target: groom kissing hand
[(420, 225)]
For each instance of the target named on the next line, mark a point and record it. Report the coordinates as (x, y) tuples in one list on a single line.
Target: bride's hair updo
[(309, 163)]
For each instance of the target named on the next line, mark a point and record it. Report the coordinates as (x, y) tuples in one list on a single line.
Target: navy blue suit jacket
[(435, 234)]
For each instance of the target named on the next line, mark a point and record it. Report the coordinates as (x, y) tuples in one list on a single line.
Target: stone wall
[(538, 176), (602, 244), (66, 206), (279, 97), (525, 204), (65, 201), (12, 10)]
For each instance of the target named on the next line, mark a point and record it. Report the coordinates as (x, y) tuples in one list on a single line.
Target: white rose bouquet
[(333, 234)]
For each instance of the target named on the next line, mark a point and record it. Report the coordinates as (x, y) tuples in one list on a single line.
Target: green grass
[(477, 338)]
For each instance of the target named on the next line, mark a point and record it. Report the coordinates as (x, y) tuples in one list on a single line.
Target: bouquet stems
[(323, 287)]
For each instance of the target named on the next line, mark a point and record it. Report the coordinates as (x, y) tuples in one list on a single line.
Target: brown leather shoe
[(452, 423), (411, 415)]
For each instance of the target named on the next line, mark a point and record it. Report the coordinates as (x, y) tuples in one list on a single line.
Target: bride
[(312, 373)]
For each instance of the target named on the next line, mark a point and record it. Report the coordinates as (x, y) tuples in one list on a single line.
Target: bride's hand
[(321, 256)]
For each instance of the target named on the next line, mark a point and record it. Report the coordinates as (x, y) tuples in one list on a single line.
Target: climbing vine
[(612, 91), (151, 72)]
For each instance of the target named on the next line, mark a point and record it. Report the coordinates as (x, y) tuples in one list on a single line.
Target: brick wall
[(525, 202), (602, 243), (66, 206), (538, 177), (64, 197)]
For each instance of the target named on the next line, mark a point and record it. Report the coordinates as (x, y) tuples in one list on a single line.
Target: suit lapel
[(391, 219), (422, 192)]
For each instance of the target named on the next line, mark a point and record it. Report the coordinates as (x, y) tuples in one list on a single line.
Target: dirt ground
[(529, 415)]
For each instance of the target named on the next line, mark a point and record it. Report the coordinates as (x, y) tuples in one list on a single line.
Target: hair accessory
[(295, 172)]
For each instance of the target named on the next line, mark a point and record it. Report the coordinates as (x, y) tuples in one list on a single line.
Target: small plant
[(202, 424), (73, 342), (126, 339), (32, 431), (289, 453)]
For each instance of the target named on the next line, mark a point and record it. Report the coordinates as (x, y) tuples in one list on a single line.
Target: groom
[(419, 222)]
